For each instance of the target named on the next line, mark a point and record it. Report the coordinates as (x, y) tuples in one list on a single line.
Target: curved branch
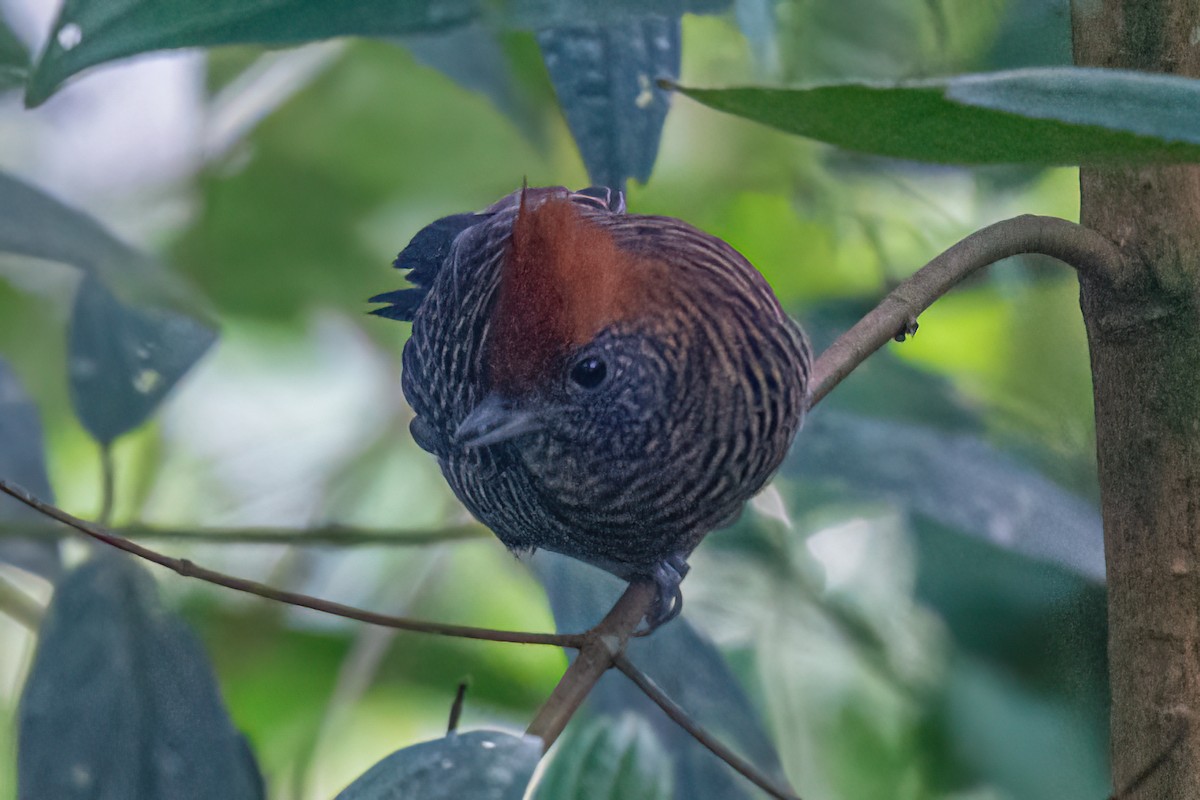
[(189, 570), (683, 720), (896, 316)]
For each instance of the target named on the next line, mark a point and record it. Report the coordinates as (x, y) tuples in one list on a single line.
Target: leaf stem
[(107, 483)]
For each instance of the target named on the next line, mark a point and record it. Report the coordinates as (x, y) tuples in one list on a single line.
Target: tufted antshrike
[(605, 385)]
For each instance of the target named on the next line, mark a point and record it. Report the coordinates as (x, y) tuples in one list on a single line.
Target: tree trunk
[(1144, 336)]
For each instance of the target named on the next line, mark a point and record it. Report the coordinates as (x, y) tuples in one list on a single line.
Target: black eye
[(589, 373)]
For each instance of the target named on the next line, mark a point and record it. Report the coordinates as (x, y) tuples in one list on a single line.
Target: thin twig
[(457, 706), (683, 720), (896, 316), (328, 536), (108, 479), (190, 570), (601, 645)]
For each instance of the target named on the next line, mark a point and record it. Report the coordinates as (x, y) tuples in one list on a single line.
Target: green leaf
[(90, 32), (1017, 739), (1057, 115), (14, 59), (1025, 704), (1032, 33), (957, 479), (1041, 622), (32, 223), (481, 765), (122, 360), (609, 759), (121, 702), (23, 461), (606, 77), (131, 335), (475, 57)]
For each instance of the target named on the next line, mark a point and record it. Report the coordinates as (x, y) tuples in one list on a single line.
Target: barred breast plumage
[(605, 385)]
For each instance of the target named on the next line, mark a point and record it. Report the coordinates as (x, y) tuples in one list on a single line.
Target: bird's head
[(576, 365)]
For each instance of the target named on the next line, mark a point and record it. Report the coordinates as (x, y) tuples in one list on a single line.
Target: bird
[(605, 385)]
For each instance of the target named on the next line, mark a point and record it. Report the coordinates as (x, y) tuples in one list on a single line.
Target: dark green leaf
[(120, 701), (606, 77), (481, 765), (1159, 106), (35, 224), (1024, 743), (22, 461), (609, 759), (474, 57), (122, 360), (1032, 33), (1026, 703), (32, 223), (89, 32), (14, 60), (579, 597), (1043, 623), (957, 479), (756, 19), (1063, 115)]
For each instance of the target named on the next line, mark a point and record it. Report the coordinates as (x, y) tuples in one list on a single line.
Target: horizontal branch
[(684, 720), (190, 570), (327, 536), (896, 316)]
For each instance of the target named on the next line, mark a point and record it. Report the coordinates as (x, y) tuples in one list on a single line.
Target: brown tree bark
[(1144, 336)]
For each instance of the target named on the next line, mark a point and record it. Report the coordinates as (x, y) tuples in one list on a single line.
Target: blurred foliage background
[(913, 610)]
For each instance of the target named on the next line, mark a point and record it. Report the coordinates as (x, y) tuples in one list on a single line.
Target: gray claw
[(667, 576)]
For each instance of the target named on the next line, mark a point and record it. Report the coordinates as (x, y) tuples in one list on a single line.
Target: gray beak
[(496, 419)]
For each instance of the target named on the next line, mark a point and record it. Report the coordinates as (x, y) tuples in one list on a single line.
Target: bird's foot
[(909, 329), (667, 576)]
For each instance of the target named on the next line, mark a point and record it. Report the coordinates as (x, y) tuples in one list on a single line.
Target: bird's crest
[(564, 279)]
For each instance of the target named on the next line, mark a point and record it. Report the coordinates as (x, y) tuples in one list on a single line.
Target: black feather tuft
[(423, 257), (428, 250), (403, 303)]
